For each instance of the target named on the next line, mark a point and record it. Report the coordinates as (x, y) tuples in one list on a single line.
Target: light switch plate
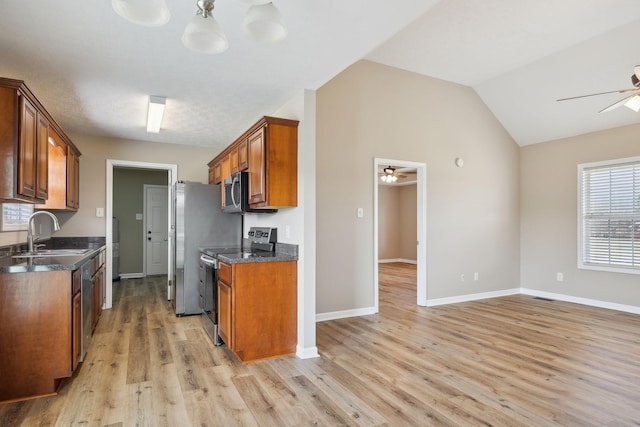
[(138, 217), (100, 212)]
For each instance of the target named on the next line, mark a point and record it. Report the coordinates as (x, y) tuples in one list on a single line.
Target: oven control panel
[(263, 234)]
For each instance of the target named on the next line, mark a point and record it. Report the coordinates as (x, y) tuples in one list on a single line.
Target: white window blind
[(610, 216), (15, 216)]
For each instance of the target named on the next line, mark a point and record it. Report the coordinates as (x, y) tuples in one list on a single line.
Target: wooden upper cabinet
[(269, 152), (64, 177), (42, 158), (257, 169), (73, 179), (273, 164), (25, 127), (26, 161), (233, 160), (243, 155), (225, 167)]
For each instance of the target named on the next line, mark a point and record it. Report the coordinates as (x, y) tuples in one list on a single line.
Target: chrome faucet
[(56, 227)]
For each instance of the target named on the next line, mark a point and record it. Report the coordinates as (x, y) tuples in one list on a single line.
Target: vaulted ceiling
[(94, 71)]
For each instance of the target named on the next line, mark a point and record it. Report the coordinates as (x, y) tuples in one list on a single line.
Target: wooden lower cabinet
[(35, 333), (41, 328), (258, 308)]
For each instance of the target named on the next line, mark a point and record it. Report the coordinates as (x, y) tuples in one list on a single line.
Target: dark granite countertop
[(11, 264), (283, 252)]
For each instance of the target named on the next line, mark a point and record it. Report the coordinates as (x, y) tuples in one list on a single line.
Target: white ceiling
[(94, 71)]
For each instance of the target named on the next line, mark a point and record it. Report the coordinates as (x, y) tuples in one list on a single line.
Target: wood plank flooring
[(513, 361)]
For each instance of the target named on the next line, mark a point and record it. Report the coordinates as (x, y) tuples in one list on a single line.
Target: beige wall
[(370, 111), (397, 222), (128, 200), (549, 212)]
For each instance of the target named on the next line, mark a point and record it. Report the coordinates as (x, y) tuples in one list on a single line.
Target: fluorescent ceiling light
[(633, 103), (156, 111)]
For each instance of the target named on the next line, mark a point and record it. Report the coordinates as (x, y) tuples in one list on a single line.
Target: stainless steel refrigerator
[(198, 222)]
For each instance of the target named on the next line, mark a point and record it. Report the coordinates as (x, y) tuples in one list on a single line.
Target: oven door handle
[(207, 260)]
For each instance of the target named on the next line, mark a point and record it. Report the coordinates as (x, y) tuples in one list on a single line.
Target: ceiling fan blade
[(617, 104), (601, 93)]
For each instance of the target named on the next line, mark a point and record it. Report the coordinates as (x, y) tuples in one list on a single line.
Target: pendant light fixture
[(150, 13), (262, 23), (203, 33)]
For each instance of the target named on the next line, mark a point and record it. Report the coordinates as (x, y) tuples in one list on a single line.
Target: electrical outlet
[(476, 276), (559, 277), (100, 212), (360, 213), (462, 277)]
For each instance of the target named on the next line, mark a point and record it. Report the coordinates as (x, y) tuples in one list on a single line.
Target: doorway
[(421, 224), (172, 177)]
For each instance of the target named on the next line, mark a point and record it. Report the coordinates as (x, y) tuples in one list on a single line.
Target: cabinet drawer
[(224, 272)]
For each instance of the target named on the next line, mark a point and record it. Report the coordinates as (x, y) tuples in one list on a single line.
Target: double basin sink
[(43, 253)]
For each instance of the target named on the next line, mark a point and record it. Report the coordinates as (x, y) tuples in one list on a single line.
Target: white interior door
[(156, 230)]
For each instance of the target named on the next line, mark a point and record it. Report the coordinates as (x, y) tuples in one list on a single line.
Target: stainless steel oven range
[(208, 300)]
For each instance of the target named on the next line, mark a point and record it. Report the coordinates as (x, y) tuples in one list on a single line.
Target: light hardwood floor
[(504, 362)]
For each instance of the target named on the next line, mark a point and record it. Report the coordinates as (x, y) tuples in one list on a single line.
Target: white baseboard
[(321, 317), (307, 352), (471, 297), (131, 276), (579, 300), (406, 261)]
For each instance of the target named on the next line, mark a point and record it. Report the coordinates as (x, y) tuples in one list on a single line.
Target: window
[(15, 216), (609, 216)]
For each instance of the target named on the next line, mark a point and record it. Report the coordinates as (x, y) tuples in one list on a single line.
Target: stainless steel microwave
[(236, 195)]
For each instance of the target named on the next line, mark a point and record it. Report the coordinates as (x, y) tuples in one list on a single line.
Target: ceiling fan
[(391, 174), (631, 101)]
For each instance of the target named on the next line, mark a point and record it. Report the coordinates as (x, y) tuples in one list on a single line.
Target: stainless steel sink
[(53, 253)]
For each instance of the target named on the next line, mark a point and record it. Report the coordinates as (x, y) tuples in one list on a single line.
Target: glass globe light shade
[(263, 23), (204, 35), (150, 13), (256, 2)]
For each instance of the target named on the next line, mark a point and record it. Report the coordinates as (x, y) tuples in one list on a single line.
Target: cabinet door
[(243, 155), (257, 172), (27, 150), (42, 158), (224, 313), (225, 167), (73, 179), (233, 160)]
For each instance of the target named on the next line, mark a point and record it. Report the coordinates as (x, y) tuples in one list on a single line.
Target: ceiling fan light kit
[(389, 175), (633, 103), (263, 22), (203, 33)]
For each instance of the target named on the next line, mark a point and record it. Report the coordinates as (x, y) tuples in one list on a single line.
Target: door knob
[(149, 238), (149, 232)]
